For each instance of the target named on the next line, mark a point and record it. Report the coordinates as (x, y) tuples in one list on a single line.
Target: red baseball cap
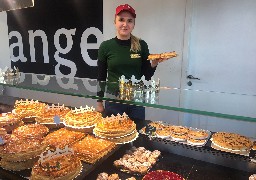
[(125, 7)]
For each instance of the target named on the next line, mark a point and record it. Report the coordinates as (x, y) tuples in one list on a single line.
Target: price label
[(56, 119), (1, 141)]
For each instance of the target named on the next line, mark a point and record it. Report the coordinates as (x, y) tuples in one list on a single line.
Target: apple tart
[(62, 137), (91, 149), (61, 165)]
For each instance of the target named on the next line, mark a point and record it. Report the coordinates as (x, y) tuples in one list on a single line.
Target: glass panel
[(218, 104)]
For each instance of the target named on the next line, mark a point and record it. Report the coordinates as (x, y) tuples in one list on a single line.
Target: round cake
[(20, 149), (118, 129), (82, 117), (231, 141), (61, 167), (31, 131), (49, 112), (28, 108)]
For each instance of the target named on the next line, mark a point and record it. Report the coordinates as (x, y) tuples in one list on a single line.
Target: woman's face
[(124, 23)]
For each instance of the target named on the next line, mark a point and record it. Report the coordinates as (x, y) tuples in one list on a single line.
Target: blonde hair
[(135, 44)]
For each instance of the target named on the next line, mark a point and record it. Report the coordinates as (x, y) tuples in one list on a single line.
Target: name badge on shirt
[(134, 56)]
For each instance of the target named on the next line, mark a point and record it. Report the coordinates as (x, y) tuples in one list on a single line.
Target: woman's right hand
[(100, 107)]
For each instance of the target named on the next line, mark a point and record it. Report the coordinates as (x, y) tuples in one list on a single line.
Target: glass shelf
[(208, 103)]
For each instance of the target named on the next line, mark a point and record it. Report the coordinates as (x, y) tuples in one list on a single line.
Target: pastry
[(18, 166), (196, 142), (10, 121), (231, 141), (31, 131), (91, 149), (137, 160), (166, 55), (68, 137), (20, 149), (82, 117), (179, 130), (49, 112), (163, 133), (28, 108), (119, 129), (154, 56), (61, 165), (198, 134), (3, 131)]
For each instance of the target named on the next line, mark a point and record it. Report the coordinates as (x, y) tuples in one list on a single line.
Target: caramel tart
[(91, 149)]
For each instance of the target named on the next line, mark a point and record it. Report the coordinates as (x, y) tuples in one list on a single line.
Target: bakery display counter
[(190, 162)]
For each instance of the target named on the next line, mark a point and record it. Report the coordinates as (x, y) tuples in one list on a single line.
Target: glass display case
[(186, 101)]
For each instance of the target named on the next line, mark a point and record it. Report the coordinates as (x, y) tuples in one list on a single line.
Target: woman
[(124, 55)]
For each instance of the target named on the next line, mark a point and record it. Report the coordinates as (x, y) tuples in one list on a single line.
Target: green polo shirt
[(121, 61)]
